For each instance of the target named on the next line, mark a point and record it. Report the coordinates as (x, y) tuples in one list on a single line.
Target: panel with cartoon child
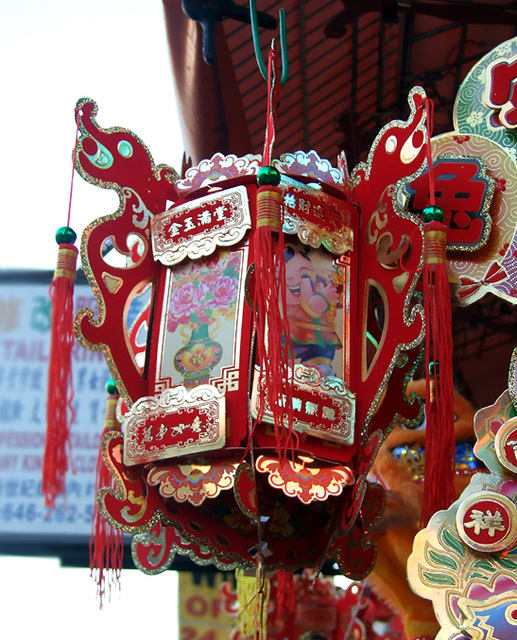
[(313, 295)]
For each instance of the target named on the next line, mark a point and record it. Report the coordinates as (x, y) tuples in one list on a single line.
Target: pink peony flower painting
[(204, 293)]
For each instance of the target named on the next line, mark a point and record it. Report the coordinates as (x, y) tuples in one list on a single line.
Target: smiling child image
[(313, 294)]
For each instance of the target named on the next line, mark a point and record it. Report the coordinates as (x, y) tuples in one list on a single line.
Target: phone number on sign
[(29, 512)]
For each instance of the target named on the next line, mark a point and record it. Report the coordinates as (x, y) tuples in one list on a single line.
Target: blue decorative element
[(402, 451), (125, 148), (465, 458), (102, 159)]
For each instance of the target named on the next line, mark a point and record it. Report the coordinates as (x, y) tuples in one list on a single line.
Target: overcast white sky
[(52, 54), (40, 599)]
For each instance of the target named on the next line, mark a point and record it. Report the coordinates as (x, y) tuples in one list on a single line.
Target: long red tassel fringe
[(273, 336), (106, 543), (274, 349), (60, 413), (440, 443)]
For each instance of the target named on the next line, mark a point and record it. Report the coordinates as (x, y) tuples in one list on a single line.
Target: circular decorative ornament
[(506, 445), (481, 262), (484, 103), (487, 521)]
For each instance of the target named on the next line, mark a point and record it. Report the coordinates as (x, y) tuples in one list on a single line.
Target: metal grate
[(341, 91)]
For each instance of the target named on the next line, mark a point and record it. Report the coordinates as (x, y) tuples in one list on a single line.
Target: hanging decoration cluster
[(60, 411), (465, 560), (355, 330), (205, 465), (278, 321)]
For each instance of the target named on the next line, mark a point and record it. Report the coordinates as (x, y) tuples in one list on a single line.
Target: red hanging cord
[(272, 102), (273, 338), (60, 412), (429, 112)]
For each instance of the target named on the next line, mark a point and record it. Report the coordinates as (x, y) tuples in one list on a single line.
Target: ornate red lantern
[(173, 270)]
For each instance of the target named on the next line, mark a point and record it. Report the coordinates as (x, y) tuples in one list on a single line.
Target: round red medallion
[(487, 521), (506, 445)]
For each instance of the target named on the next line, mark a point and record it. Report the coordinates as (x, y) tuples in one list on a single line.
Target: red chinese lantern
[(204, 465)]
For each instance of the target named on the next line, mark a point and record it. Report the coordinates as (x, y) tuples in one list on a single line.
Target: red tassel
[(274, 349), (440, 443), (285, 592), (60, 413), (273, 336), (106, 543)]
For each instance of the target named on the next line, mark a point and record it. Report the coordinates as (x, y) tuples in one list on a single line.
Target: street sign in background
[(25, 312), (200, 611), (26, 526)]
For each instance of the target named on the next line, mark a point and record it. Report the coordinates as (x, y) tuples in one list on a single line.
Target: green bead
[(66, 235), (111, 388), (268, 176), (434, 368), (431, 213)]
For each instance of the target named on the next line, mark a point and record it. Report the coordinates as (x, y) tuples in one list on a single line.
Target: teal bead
[(432, 213), (434, 368), (268, 176), (66, 235), (111, 388)]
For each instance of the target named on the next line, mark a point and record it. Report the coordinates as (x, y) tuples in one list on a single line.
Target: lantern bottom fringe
[(106, 543)]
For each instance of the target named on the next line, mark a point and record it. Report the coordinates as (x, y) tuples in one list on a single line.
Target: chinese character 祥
[(480, 521), (329, 413)]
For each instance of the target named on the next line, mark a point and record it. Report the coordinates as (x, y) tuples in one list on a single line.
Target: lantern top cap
[(219, 168)]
